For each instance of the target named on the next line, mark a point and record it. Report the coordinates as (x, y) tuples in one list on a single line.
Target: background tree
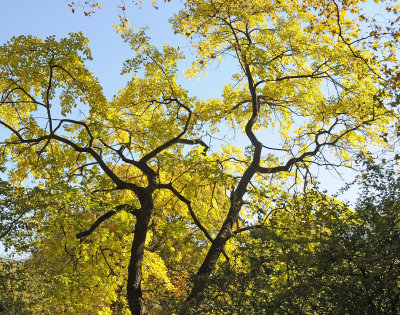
[(317, 256)]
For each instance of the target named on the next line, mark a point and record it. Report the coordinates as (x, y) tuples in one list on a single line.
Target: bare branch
[(94, 226), (114, 177), (303, 156), (195, 141), (350, 44), (172, 141)]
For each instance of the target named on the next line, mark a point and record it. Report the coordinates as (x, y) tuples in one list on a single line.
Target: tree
[(305, 71), (63, 148), (288, 87), (19, 210), (11, 301), (15, 204)]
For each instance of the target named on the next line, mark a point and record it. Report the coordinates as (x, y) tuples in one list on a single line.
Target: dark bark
[(219, 242), (236, 199), (217, 247), (134, 289), (96, 156), (225, 232), (95, 225)]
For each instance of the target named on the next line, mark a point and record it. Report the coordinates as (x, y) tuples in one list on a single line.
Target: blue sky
[(43, 18)]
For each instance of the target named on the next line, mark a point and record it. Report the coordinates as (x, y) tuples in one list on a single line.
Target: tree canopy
[(138, 193)]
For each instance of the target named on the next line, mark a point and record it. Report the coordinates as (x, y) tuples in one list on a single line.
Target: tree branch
[(114, 177), (192, 214), (95, 225), (189, 206), (172, 141), (247, 228), (318, 146), (105, 217)]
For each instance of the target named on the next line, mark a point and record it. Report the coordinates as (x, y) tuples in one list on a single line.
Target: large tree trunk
[(218, 243), (214, 252), (134, 290)]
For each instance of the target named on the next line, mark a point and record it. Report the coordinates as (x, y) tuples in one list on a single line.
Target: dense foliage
[(311, 254), (318, 256)]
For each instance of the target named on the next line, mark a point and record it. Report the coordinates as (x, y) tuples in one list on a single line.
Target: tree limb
[(247, 228), (105, 217)]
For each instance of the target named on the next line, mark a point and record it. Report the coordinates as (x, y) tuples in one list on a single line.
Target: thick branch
[(192, 214), (195, 141), (118, 181), (84, 125), (140, 165), (48, 94), (105, 217), (95, 225), (290, 163)]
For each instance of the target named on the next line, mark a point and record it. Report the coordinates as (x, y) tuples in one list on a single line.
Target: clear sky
[(43, 18)]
